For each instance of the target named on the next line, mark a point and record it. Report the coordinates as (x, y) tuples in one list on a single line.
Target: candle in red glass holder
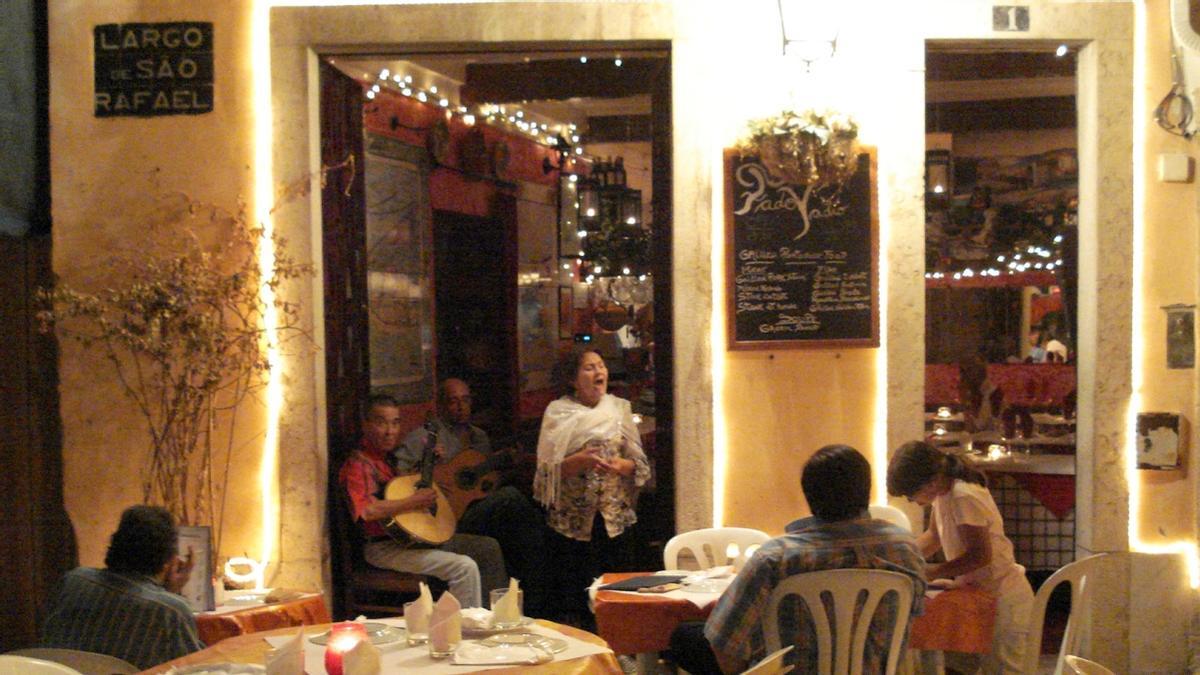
[(342, 638)]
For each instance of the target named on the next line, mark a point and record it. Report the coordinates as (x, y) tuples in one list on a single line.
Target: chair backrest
[(708, 545), (772, 665), (88, 663), (891, 514), (1080, 665), (15, 664), (843, 587), (1077, 574), (1077, 665)]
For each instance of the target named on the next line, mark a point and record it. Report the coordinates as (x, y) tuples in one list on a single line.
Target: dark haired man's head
[(145, 541), (837, 483), (381, 422), (379, 399)]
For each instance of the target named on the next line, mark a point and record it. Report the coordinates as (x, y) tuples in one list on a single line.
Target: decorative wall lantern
[(938, 178)]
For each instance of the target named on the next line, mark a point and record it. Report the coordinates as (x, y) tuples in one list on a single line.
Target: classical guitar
[(468, 476), (434, 525)]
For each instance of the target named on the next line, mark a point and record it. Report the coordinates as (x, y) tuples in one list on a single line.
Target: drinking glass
[(495, 596), (416, 623)]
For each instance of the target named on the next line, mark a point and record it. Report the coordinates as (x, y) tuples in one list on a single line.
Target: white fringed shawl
[(566, 426)]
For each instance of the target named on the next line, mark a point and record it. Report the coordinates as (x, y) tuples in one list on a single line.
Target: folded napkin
[(476, 618), (283, 595), (362, 659), (417, 613), (287, 658), (425, 599), (507, 610), (445, 625)]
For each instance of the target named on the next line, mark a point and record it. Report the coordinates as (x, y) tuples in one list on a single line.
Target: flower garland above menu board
[(802, 260)]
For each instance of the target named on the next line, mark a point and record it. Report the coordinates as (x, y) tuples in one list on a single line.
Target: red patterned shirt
[(364, 475)]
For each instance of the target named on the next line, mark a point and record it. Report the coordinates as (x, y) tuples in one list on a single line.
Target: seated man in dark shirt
[(504, 514), (131, 609), (840, 535)]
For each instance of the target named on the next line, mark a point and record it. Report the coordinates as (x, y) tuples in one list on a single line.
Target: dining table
[(640, 624), (256, 614), (585, 653)]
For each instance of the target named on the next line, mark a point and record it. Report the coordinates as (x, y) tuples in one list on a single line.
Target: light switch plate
[(1175, 167)]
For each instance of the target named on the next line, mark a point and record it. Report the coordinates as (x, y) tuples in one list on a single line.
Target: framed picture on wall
[(566, 312), (1158, 441)]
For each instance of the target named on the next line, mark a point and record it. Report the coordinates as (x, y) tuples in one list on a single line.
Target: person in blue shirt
[(131, 609), (840, 534)]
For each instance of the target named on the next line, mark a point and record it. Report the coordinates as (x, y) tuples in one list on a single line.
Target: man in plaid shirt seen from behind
[(839, 535)]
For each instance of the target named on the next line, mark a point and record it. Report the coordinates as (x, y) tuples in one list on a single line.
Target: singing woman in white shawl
[(590, 466)]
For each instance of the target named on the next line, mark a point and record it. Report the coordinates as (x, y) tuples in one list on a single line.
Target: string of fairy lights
[(563, 137), (509, 117), (1032, 258)]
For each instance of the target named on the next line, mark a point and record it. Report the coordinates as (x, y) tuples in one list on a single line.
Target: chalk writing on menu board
[(802, 259)]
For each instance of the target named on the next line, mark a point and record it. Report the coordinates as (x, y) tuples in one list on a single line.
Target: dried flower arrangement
[(182, 324), (805, 148)]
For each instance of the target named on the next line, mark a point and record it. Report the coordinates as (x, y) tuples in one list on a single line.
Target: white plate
[(706, 586), (485, 632), (550, 644), (245, 597), (379, 633), (475, 654)]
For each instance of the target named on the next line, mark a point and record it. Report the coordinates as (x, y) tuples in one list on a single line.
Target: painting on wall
[(1158, 440), (536, 313), (1181, 336), (399, 274)]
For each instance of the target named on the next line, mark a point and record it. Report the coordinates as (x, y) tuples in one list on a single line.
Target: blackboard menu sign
[(152, 69), (802, 261)]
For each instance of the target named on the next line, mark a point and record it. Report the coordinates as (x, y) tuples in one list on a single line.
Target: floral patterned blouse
[(573, 501)]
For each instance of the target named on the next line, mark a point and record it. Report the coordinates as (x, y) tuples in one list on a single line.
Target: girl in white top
[(966, 526)]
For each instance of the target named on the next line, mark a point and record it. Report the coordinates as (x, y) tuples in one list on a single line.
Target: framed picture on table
[(198, 591)]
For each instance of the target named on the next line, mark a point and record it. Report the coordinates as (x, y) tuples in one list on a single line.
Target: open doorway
[(472, 258), (1002, 204)]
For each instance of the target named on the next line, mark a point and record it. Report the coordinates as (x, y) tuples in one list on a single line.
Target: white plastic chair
[(14, 664), (715, 539), (1077, 573), (1081, 666), (891, 514), (843, 587), (772, 665), (88, 663)]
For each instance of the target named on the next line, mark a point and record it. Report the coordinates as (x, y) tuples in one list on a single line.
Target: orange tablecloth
[(634, 624), (253, 649), (957, 620), (306, 610)]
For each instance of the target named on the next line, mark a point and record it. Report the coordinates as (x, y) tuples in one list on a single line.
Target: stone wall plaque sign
[(153, 69)]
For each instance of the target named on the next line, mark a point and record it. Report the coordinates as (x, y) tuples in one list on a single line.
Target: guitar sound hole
[(466, 479)]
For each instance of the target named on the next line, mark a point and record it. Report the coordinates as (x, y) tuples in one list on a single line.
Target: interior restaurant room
[(405, 192)]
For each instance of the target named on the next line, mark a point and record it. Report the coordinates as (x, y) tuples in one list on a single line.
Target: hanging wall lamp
[(810, 30)]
